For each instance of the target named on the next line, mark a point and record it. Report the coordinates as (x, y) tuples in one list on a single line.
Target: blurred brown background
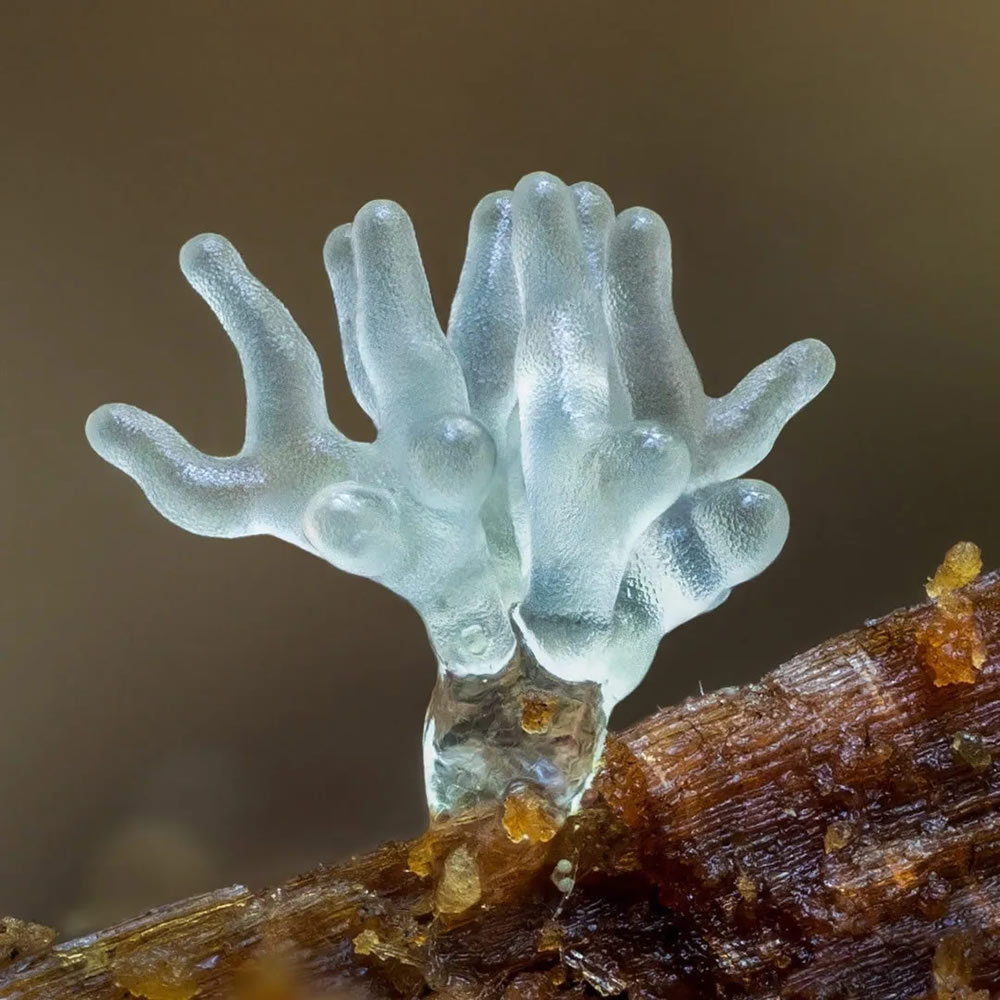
[(177, 712)]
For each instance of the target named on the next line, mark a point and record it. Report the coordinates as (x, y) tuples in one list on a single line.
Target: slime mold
[(549, 487)]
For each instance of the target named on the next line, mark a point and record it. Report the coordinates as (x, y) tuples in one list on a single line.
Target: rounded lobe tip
[(819, 360), (99, 425), (383, 241), (492, 211), (747, 520), (642, 226), (757, 501), (123, 435), (451, 462), (591, 198), (110, 428), (206, 252), (337, 245), (539, 188), (353, 527), (808, 365), (381, 217)]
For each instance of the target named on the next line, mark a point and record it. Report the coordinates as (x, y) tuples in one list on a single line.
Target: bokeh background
[(178, 713)]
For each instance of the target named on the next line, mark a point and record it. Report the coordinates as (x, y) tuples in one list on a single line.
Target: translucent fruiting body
[(549, 487)]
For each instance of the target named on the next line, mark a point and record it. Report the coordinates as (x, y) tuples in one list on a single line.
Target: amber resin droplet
[(962, 563), (460, 886), (951, 641)]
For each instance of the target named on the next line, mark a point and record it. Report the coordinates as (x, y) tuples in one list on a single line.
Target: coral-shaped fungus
[(549, 487)]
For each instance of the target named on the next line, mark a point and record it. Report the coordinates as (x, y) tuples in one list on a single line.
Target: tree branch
[(830, 832)]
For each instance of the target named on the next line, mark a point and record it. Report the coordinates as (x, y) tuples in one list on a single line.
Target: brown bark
[(830, 832)]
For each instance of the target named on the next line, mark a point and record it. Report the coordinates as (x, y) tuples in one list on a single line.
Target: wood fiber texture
[(830, 832)]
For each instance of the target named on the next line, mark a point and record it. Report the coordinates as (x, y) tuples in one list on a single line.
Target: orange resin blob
[(952, 643)]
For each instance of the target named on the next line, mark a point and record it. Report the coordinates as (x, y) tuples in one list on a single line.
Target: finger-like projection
[(403, 510), (550, 487)]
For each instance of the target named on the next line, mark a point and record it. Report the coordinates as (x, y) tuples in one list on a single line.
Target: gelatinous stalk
[(518, 731)]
